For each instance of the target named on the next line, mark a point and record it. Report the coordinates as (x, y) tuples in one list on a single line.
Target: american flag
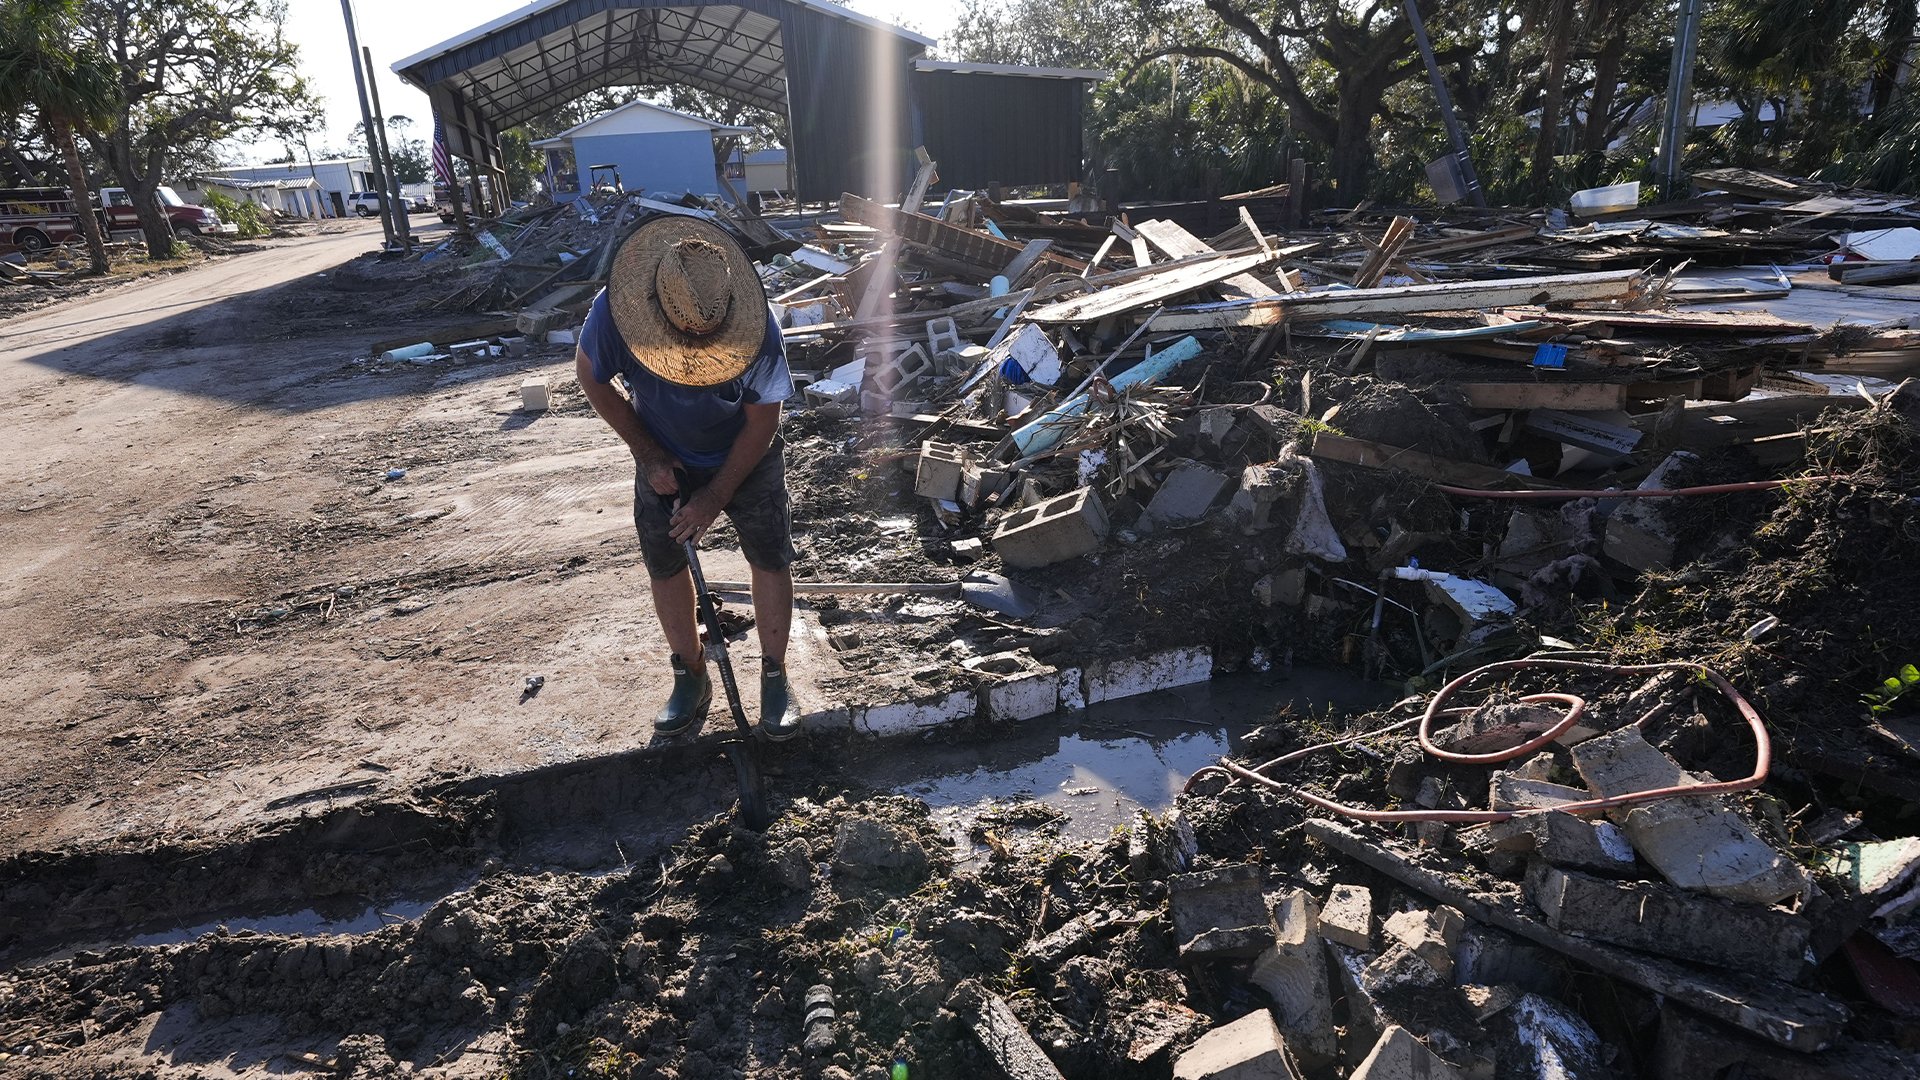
[(442, 161)]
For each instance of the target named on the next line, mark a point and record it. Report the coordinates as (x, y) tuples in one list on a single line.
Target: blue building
[(651, 148)]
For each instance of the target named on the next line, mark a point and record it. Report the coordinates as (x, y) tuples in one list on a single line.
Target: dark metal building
[(856, 92)]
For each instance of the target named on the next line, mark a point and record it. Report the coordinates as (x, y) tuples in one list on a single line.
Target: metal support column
[(1446, 105), (1673, 129)]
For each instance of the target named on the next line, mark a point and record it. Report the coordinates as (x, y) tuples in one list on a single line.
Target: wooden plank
[(1883, 274), (1101, 255), (1373, 455), (1178, 243), (1705, 427), (1454, 244), (1569, 397), (1025, 261), (988, 252), (1778, 1012), (917, 194), (1752, 322), (1446, 296), (1149, 290), (1375, 265)]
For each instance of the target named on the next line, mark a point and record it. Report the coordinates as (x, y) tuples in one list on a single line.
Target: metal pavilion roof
[(552, 51)]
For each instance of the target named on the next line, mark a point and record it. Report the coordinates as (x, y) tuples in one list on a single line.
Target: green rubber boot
[(779, 708), (687, 707)]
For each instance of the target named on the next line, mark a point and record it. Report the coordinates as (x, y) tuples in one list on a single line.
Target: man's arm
[(617, 411), (698, 512)]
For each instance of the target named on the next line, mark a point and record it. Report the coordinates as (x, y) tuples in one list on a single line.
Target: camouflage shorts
[(760, 511)]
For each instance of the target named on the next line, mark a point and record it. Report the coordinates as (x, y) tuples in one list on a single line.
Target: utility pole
[(400, 223), (366, 117), (1446, 104), (1673, 131)]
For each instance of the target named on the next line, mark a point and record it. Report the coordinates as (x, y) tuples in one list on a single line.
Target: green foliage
[(1888, 158), (1880, 700), (522, 162), (251, 217)]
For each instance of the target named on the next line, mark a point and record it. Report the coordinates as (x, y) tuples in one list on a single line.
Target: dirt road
[(211, 596)]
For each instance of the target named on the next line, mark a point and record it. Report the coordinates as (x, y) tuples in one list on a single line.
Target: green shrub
[(253, 219)]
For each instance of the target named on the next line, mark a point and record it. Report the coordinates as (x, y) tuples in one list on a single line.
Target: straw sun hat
[(686, 298)]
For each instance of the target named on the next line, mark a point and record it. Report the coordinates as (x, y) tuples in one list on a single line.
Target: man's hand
[(661, 474), (696, 515)]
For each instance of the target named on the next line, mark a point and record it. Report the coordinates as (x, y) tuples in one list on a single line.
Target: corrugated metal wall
[(846, 106), (1011, 128)]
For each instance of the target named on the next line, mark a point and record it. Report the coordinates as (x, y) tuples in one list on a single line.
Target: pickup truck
[(185, 217), (34, 219)]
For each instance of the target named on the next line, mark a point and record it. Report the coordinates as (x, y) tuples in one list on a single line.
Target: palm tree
[(39, 67)]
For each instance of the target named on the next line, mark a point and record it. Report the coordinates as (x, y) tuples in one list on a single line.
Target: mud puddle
[(1100, 766)]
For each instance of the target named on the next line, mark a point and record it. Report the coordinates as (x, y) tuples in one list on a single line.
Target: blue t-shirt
[(696, 424)]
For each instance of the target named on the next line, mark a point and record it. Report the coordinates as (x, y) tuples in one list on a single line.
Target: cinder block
[(535, 322), (1430, 934), (1511, 792), (979, 484), (1348, 917), (1660, 919), (1220, 914), (1696, 842), (514, 346), (897, 376), (1185, 494), (942, 467), (1015, 687), (1145, 674), (1294, 975), (1061, 528), (1400, 1056), (1247, 1049), (904, 716), (535, 395), (943, 335), (1565, 840), (961, 362)]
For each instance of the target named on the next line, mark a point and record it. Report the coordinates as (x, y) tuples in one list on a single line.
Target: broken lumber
[(1446, 296), (1780, 1013), (1178, 243), (1331, 447), (1006, 1040), (984, 250), (1170, 280), (1571, 397)]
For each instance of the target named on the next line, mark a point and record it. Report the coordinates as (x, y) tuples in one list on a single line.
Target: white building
[(338, 177), (298, 196)]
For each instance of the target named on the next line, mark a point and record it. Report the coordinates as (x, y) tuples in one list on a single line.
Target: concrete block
[(1073, 689), (1220, 914), (898, 375), (1273, 422), (1640, 532), (1348, 917), (943, 335), (1696, 842), (1512, 792), (1691, 1046), (1400, 968), (942, 466), (1287, 587), (1400, 1056), (807, 314), (1294, 975), (978, 484), (535, 395), (904, 716), (1061, 528), (515, 346), (1247, 1049), (1657, 918), (1365, 1021), (1489, 956), (1006, 1040), (1014, 687), (1547, 1041), (1430, 934), (535, 322), (962, 362), (1108, 680), (560, 337), (1565, 840), (828, 392), (1185, 494), (1260, 487)]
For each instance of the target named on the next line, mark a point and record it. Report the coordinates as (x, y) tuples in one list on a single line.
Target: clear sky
[(396, 29)]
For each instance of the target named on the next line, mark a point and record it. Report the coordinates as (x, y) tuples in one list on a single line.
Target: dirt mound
[(1829, 560), (695, 966)]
